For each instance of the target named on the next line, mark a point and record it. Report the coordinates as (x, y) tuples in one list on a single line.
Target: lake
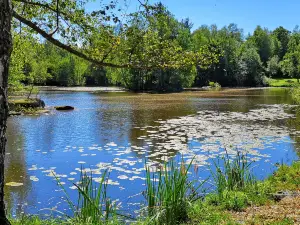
[(123, 132)]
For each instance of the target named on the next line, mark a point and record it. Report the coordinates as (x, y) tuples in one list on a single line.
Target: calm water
[(123, 131)]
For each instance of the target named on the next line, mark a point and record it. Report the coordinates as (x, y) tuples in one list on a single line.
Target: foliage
[(295, 92), (282, 35), (282, 82), (149, 51), (28, 63), (250, 68), (263, 42), (273, 66), (236, 174)]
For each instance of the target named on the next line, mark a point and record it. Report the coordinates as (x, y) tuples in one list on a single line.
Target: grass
[(169, 193), (93, 206), (236, 186), (171, 198), (281, 82), (26, 106), (285, 178)]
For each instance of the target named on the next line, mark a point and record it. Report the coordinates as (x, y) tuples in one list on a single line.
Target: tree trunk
[(5, 51)]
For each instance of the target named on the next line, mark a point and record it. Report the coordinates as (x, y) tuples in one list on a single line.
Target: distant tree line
[(225, 56)]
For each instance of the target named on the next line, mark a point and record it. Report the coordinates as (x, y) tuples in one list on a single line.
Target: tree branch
[(46, 5), (69, 48), (59, 13), (57, 18)]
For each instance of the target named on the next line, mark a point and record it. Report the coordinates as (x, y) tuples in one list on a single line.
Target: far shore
[(82, 89), (120, 89)]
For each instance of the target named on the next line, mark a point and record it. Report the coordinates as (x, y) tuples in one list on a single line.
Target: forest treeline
[(228, 56)]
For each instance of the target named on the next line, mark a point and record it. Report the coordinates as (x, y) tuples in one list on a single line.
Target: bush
[(235, 200), (295, 92)]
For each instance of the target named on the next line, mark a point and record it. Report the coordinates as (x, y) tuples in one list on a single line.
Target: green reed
[(93, 205), (169, 193)]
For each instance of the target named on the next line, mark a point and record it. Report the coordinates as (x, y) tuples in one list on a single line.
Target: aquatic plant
[(93, 205), (235, 184), (232, 174), (169, 193)]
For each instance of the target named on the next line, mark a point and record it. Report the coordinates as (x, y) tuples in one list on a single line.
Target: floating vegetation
[(34, 178)]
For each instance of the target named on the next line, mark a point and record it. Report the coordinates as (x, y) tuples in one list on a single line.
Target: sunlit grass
[(280, 82)]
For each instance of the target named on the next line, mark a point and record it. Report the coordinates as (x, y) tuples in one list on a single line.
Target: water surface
[(123, 131)]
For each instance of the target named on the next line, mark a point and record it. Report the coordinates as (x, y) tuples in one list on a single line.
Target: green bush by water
[(295, 92)]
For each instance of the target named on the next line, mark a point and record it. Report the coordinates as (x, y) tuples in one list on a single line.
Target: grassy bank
[(281, 82), (171, 198)]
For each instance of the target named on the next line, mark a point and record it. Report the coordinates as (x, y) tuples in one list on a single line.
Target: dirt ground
[(287, 208)]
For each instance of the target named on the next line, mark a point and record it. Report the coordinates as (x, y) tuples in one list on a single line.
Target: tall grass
[(93, 205), (234, 181), (232, 174), (169, 193)]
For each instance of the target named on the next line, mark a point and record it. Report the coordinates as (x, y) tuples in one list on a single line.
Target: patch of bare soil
[(287, 208)]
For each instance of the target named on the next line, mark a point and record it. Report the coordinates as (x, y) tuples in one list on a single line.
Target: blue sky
[(246, 13)]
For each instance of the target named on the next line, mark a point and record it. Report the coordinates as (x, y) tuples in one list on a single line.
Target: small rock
[(64, 108)]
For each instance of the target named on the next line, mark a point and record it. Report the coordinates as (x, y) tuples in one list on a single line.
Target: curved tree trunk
[(5, 51)]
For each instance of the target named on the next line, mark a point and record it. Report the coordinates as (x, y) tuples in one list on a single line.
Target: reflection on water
[(121, 130)]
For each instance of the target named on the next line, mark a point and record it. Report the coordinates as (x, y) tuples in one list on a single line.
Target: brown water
[(121, 130)]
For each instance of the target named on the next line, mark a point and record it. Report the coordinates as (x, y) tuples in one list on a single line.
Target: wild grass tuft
[(93, 205), (232, 174), (234, 181), (169, 193)]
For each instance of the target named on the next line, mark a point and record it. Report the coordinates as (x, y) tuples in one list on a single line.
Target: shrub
[(295, 92)]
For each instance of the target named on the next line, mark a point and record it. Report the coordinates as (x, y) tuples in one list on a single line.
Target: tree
[(250, 68), (5, 51), (273, 66), (291, 64), (263, 43), (283, 36)]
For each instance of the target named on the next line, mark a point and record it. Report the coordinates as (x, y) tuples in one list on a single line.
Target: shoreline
[(121, 89)]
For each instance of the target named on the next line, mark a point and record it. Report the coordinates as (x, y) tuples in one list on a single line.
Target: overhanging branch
[(69, 48)]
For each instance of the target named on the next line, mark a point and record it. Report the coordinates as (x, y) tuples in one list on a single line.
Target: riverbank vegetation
[(206, 54), (172, 198)]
